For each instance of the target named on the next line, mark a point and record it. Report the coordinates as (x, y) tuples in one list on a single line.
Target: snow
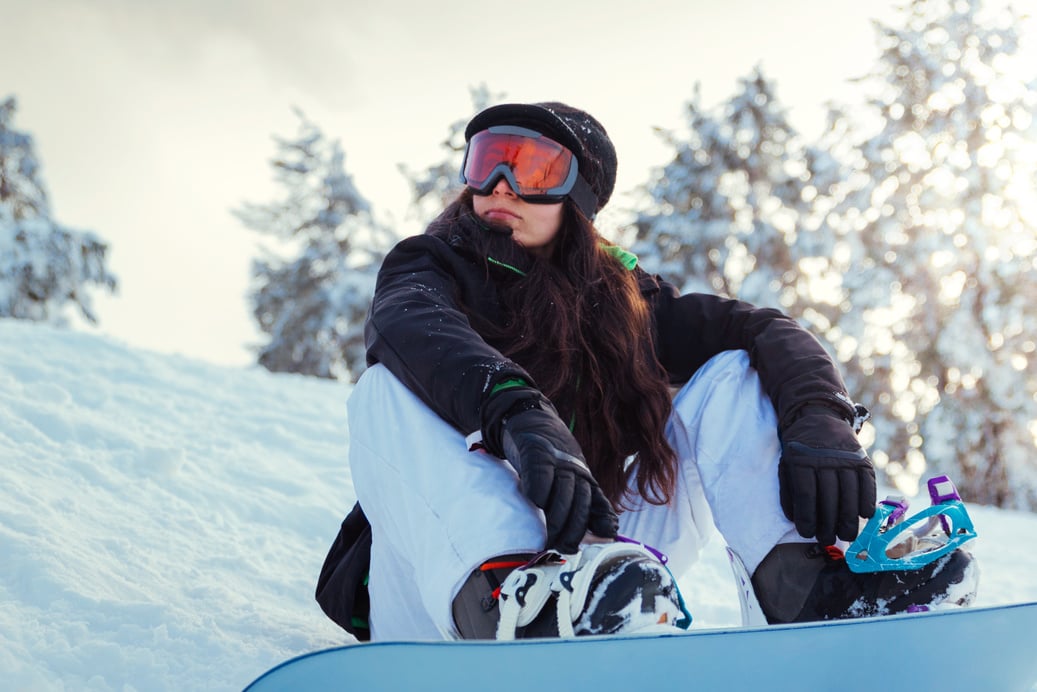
[(163, 520)]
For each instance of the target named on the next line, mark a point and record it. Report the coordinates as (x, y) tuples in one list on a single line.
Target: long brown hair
[(577, 322)]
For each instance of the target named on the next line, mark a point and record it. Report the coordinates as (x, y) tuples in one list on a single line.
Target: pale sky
[(154, 119)]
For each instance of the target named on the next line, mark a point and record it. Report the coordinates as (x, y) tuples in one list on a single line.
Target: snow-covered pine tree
[(45, 267), (738, 209), (311, 294), (439, 184), (937, 241)]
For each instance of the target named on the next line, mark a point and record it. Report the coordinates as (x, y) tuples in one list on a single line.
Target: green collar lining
[(625, 257), (506, 266)]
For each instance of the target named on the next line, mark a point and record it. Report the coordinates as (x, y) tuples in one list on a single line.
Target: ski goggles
[(538, 169)]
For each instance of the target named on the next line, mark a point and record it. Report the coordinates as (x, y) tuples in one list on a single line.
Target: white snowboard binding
[(608, 588)]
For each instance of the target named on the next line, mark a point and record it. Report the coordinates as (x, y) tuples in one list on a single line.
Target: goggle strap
[(584, 197)]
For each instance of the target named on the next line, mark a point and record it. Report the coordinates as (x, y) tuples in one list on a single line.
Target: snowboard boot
[(608, 588), (803, 582)]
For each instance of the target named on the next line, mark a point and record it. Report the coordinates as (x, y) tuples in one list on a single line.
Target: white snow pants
[(438, 511)]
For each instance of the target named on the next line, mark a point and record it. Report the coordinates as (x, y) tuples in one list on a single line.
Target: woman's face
[(533, 226)]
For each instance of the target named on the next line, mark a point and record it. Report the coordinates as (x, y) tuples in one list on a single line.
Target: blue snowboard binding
[(893, 541)]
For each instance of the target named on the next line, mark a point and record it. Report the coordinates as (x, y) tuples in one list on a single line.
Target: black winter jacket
[(419, 331)]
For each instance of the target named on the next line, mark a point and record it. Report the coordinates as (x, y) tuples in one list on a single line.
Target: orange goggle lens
[(534, 165)]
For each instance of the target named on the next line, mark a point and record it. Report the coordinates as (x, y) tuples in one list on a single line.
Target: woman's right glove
[(521, 425), (826, 480)]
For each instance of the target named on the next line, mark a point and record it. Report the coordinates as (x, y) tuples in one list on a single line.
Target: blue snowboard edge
[(990, 648)]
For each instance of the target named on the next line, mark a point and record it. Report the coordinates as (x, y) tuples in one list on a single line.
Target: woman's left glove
[(826, 479), (524, 428)]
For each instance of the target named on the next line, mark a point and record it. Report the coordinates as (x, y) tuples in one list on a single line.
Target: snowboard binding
[(605, 588), (893, 541)]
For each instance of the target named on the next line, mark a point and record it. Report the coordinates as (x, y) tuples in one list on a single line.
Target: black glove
[(827, 481), (550, 465)]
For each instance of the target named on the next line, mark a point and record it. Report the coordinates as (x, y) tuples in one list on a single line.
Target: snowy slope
[(163, 520)]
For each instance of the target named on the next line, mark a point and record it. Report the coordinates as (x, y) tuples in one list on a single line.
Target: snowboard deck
[(990, 648)]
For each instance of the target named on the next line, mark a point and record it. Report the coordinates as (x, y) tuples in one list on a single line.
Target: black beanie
[(577, 130)]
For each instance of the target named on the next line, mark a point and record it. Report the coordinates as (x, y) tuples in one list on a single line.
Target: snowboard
[(990, 648)]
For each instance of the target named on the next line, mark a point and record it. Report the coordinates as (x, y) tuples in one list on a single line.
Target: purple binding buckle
[(941, 489), (899, 505), (661, 556)]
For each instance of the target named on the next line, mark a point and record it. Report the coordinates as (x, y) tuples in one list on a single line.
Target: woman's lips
[(500, 213)]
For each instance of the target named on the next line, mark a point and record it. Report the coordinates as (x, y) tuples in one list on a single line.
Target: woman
[(512, 331)]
